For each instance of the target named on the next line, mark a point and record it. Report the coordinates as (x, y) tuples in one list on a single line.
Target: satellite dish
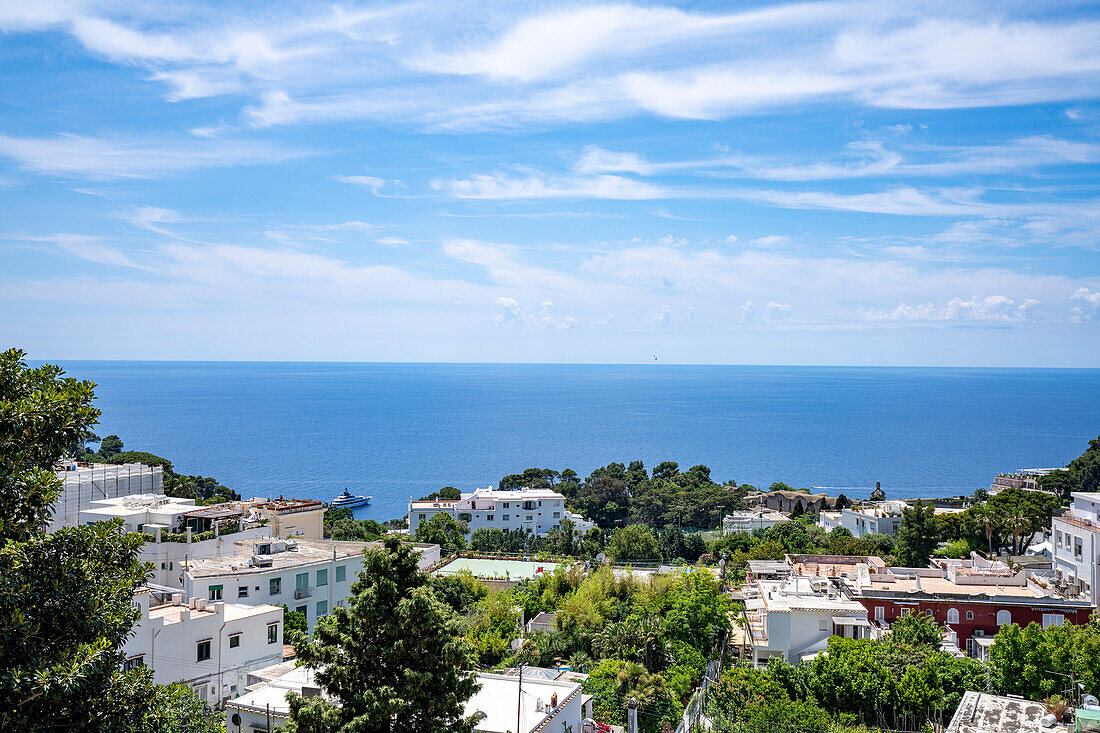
[(236, 719), (601, 559)]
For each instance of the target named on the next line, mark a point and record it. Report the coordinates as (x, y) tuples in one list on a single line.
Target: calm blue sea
[(401, 430)]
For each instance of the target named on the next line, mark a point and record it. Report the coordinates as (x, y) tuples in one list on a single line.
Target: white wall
[(85, 485), (543, 515), (170, 650), (167, 556)]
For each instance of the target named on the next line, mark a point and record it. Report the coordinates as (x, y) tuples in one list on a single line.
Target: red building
[(972, 598)]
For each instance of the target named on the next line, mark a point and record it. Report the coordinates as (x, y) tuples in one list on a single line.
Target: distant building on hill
[(877, 518), (786, 501), (748, 520), (536, 511), (1025, 479)]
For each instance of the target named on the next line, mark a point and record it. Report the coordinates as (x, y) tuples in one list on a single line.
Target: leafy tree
[(798, 510), (1035, 662), (442, 529), (1019, 515), (294, 622), (603, 497), (633, 542), (917, 535), (459, 591), (139, 456), (395, 656), (1082, 473), (110, 446), (779, 486), (666, 470), (66, 599)]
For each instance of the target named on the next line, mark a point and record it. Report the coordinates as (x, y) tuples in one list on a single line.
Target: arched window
[(952, 615), (969, 615), (1004, 617)]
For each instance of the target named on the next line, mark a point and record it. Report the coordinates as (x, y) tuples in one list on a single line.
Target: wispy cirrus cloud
[(534, 185), (144, 157)]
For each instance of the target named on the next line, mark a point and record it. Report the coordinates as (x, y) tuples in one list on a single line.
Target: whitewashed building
[(878, 518), (748, 520), (308, 576), (210, 646), (793, 618), (533, 510), (83, 483), (1076, 545), (545, 705)]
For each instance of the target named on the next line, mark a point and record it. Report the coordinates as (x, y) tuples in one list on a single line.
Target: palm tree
[(984, 518)]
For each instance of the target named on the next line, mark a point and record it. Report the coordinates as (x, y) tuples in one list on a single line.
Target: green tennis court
[(492, 568)]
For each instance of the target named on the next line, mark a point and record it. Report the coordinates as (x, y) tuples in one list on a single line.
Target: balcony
[(300, 593)]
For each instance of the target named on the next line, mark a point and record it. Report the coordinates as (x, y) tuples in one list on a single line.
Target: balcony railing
[(300, 593)]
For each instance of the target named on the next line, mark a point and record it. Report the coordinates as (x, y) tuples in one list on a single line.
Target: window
[(505, 517), (488, 517), (234, 641), (422, 516), (203, 651), (905, 612), (341, 573), (1004, 617), (529, 517), (304, 610), (880, 613), (505, 505), (928, 613), (242, 591), (464, 517), (301, 585), (265, 549), (322, 577), (952, 615), (969, 615), (133, 663), (275, 586), (823, 625), (557, 515), (215, 592), (322, 608), (1053, 619), (272, 633)]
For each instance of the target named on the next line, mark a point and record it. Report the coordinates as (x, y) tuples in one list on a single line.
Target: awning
[(850, 621)]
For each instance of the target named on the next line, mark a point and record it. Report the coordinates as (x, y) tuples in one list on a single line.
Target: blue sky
[(794, 183)]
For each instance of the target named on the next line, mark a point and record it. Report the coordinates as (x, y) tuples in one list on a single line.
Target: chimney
[(916, 586), (177, 599)]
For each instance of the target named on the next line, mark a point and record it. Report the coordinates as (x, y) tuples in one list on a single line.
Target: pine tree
[(395, 657)]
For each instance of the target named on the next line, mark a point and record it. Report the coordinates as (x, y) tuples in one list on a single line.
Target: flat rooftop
[(797, 594), (496, 568), (498, 697), (308, 552), (906, 586), (233, 611), (983, 713)]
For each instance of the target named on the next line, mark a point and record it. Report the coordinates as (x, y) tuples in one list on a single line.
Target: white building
[(534, 510), (546, 705), (794, 617), (748, 520), (83, 483), (829, 521), (308, 576), (209, 646), (1076, 545), (878, 518)]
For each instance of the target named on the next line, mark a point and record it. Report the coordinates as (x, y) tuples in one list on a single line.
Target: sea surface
[(395, 431)]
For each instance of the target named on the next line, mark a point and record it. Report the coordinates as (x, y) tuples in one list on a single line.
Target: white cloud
[(597, 160), (513, 314), (377, 186), (112, 158), (771, 240), (1090, 305), (990, 308), (533, 185), (391, 241)]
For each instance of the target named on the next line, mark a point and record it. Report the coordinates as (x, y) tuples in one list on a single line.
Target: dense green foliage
[(900, 681), (1035, 662), (395, 657), (917, 535), (340, 524), (633, 542), (646, 639), (1082, 473), (66, 599), (444, 530), (617, 492)]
